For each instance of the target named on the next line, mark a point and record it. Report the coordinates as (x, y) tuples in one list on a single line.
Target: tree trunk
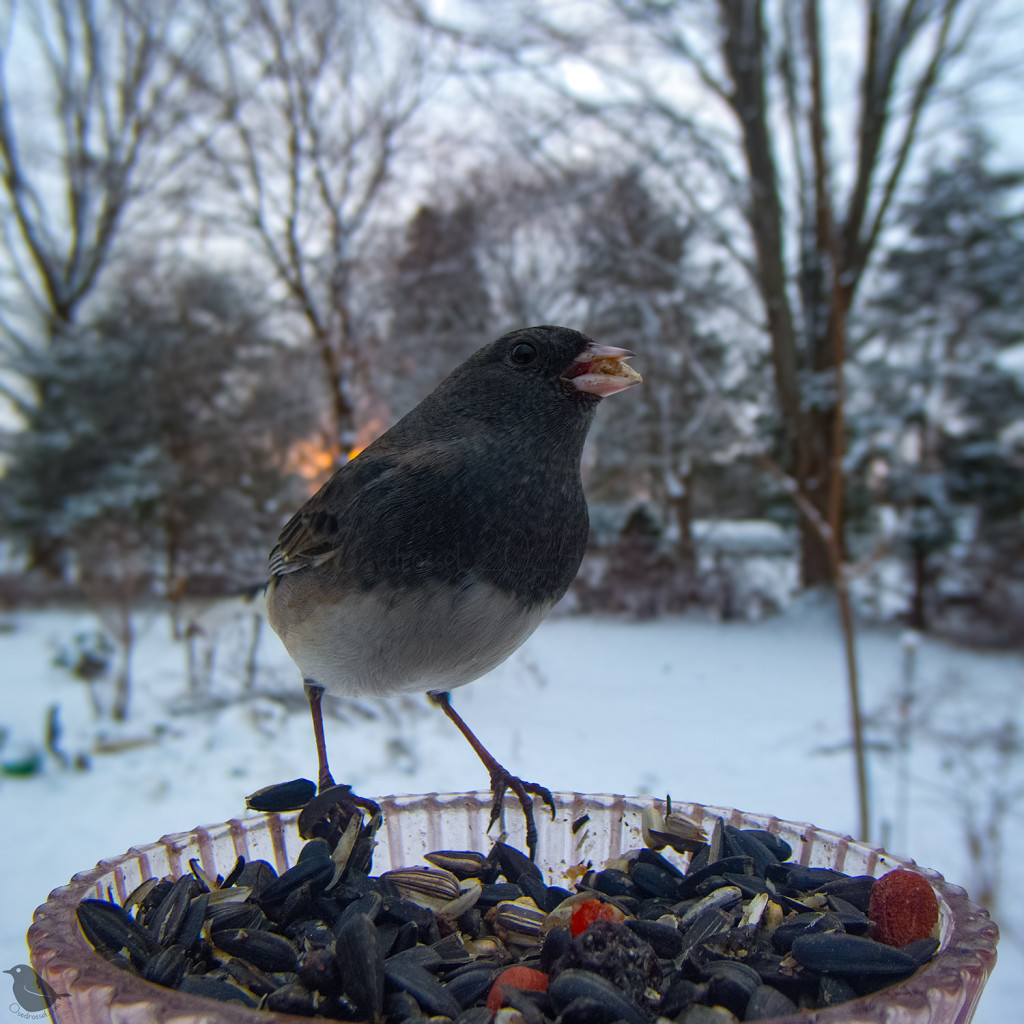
[(815, 564), (249, 678), (175, 583), (918, 608), (343, 425), (46, 554), (123, 680), (744, 55), (682, 506)]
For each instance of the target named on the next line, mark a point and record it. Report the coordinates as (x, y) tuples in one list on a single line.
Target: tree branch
[(743, 48), (925, 85), (20, 405)]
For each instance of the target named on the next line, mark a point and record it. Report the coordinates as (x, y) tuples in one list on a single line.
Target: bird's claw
[(501, 782), (329, 812)]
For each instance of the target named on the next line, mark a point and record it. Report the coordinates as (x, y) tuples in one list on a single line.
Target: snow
[(1012, 360), (750, 715), (744, 536)]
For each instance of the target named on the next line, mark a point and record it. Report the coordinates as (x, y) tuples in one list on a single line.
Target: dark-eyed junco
[(429, 558)]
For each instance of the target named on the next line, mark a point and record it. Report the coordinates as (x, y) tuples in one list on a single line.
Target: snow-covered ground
[(746, 715)]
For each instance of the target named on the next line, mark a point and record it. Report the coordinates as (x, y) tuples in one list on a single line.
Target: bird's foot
[(502, 781), (329, 812)]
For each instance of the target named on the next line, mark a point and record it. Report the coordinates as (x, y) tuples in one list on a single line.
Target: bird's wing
[(311, 537), (319, 530), (298, 552)]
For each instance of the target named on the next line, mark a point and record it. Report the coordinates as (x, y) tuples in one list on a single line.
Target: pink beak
[(601, 370)]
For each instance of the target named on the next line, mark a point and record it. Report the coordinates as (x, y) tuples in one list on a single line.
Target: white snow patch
[(746, 715)]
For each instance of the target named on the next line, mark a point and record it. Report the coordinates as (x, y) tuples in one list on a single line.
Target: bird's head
[(563, 358), (535, 374)]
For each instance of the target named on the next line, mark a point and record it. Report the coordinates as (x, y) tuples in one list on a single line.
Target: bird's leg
[(501, 778), (320, 815), (314, 694)]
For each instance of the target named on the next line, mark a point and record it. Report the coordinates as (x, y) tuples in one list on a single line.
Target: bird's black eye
[(522, 353)]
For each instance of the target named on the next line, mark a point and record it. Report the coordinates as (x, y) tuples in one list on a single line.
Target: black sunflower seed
[(691, 885), (294, 998), (796, 876), (730, 984), (646, 856), (855, 890), (234, 915), (319, 971), (664, 939), (747, 844), (556, 944), (265, 950), (257, 875), (414, 980), (514, 864), (682, 992), (613, 1002), (361, 948), (233, 874), (850, 954), (402, 1007), (362, 965), (475, 1015), (766, 1002), (170, 915), (314, 872), (215, 988), (167, 967), (779, 847), (192, 923), (652, 880), (246, 976), (108, 927), (498, 892), (285, 796), (471, 984)]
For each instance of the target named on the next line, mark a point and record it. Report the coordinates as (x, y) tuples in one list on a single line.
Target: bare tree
[(742, 109), (906, 48), (90, 101), (527, 243), (441, 306), (737, 103), (649, 284), (319, 99), (92, 120), (116, 576)]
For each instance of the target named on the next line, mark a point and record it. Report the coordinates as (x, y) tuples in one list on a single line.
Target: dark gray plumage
[(429, 558)]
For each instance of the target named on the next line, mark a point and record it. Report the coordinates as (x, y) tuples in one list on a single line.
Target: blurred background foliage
[(243, 237)]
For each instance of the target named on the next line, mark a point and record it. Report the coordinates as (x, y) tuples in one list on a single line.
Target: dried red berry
[(524, 978), (903, 907), (589, 911)]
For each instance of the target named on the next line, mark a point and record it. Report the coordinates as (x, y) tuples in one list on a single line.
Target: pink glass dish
[(92, 991)]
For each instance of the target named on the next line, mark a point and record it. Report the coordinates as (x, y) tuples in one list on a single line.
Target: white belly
[(381, 646)]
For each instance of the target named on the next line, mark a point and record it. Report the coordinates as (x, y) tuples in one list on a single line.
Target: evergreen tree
[(160, 446), (940, 403), (441, 305)]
